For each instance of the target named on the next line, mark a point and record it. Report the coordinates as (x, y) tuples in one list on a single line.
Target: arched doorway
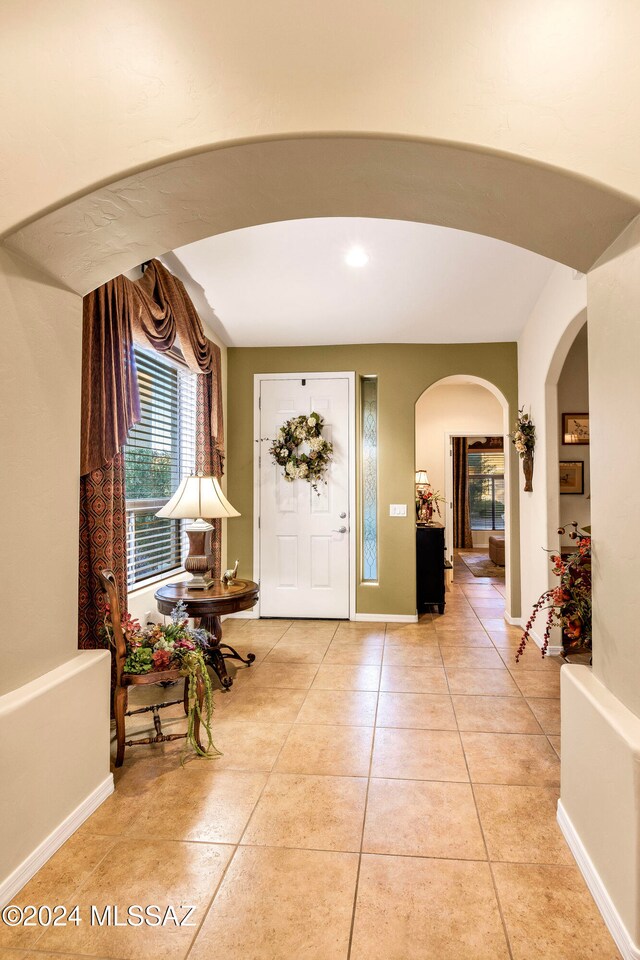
[(474, 408), (81, 257), (105, 231), (561, 392)]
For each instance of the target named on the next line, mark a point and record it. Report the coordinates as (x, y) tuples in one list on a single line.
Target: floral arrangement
[(524, 437), (169, 646), (431, 499), (310, 466), (569, 604)]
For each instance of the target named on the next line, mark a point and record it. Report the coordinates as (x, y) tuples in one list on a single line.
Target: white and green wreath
[(310, 465)]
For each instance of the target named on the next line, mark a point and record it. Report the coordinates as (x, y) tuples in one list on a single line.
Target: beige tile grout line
[(209, 902), (57, 953), (484, 840), (235, 846), (246, 826), (207, 908), (77, 889), (366, 803)]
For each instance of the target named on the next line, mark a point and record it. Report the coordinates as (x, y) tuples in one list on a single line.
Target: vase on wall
[(527, 467)]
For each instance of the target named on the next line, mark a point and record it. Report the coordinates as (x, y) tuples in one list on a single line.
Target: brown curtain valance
[(155, 310), (164, 313)]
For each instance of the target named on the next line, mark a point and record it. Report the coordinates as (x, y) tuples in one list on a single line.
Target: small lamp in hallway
[(196, 498)]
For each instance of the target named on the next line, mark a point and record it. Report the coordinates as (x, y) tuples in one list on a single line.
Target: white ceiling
[(287, 284)]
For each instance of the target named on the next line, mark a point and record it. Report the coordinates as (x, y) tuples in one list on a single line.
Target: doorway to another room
[(475, 503), (461, 444)]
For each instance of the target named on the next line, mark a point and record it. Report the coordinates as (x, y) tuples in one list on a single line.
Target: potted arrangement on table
[(569, 604), (165, 646)]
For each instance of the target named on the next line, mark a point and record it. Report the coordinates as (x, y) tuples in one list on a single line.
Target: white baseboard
[(553, 650), (513, 621), (386, 617), (44, 851), (604, 903), (362, 617)]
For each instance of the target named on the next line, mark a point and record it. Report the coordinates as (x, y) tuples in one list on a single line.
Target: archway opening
[(94, 236), (461, 443), (567, 451)]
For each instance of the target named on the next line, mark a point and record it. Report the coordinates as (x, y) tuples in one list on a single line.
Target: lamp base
[(200, 559), (200, 582)]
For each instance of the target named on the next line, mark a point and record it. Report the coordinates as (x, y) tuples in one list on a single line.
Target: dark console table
[(207, 606), (430, 567)]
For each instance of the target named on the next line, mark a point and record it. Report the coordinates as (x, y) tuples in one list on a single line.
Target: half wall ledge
[(599, 808), (54, 757)]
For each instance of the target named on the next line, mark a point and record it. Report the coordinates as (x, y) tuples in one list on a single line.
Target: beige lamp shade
[(421, 477), (198, 497)]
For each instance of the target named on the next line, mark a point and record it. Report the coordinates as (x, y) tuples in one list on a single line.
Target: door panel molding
[(350, 376)]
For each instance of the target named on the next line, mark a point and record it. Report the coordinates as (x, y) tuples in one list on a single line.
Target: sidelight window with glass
[(369, 491)]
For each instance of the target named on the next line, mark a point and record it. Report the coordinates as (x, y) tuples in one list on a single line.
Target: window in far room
[(486, 483), (159, 453)]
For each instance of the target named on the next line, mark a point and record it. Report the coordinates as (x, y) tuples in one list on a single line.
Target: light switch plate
[(397, 509)]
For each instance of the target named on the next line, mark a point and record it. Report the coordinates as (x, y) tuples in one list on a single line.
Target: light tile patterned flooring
[(387, 792)]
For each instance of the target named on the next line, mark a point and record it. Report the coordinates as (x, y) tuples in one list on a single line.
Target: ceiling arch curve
[(552, 212)]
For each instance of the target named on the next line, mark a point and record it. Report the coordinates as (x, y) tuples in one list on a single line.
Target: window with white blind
[(486, 489), (159, 452)]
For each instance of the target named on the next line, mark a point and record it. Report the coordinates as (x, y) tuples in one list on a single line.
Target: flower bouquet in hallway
[(166, 646), (569, 604), (428, 501)]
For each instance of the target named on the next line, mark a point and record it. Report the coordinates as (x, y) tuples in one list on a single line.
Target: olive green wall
[(404, 371)]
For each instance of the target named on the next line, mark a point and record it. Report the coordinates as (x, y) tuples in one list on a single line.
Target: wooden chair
[(126, 680)]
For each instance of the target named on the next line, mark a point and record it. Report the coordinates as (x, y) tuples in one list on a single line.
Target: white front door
[(304, 537)]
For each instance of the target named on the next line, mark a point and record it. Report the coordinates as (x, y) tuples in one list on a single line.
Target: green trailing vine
[(196, 666)]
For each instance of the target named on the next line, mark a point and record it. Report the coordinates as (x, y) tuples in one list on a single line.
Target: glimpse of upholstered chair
[(496, 550)]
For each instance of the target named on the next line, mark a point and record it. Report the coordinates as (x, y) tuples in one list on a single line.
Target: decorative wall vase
[(527, 467)]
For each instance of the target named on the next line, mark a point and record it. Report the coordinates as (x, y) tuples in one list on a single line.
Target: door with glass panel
[(304, 536)]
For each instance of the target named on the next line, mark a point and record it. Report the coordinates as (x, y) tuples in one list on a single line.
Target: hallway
[(387, 792)]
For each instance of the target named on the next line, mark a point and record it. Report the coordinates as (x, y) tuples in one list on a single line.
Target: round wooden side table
[(206, 607)]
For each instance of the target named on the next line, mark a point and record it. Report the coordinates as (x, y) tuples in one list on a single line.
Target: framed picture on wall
[(571, 476), (575, 428)]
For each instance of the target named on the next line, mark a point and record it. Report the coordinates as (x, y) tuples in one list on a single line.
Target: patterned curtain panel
[(155, 311), (102, 545), (462, 537), (209, 458)]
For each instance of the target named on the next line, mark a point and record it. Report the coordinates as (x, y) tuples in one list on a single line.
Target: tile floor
[(386, 792)]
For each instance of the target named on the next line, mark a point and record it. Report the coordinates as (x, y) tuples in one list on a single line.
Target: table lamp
[(196, 498), (422, 480)]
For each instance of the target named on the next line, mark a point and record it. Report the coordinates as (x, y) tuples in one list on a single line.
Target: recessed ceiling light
[(356, 257)]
